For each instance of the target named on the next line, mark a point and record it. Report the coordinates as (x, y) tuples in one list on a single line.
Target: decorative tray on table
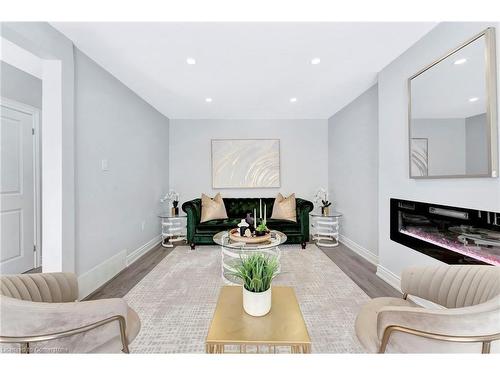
[(235, 236)]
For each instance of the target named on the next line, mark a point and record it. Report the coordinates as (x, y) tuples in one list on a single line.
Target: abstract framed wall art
[(419, 149), (245, 163)]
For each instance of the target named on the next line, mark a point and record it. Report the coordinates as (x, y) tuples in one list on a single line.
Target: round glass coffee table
[(232, 252)]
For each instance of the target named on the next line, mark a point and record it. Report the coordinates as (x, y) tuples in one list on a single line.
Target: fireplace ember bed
[(450, 234)]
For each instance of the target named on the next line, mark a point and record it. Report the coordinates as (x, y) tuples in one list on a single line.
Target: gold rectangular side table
[(283, 326)]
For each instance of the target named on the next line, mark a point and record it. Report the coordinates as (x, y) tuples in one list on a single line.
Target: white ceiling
[(250, 70)]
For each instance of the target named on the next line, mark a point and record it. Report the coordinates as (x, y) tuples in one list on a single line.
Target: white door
[(17, 191)]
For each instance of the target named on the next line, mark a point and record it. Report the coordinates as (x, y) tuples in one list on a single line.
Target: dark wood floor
[(361, 271), (35, 270), (130, 276), (357, 268)]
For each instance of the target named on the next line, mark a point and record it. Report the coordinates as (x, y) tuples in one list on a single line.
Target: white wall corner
[(136, 254), (101, 274), (360, 250), (55, 259)]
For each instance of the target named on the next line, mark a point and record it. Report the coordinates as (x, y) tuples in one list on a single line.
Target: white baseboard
[(389, 277), (358, 249), (136, 254), (395, 281), (91, 280), (100, 274)]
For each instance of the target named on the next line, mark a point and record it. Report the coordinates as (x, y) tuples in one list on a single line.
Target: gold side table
[(283, 326)]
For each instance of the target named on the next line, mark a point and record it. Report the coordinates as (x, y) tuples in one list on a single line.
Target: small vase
[(325, 211), (251, 222), (175, 211), (242, 230), (257, 304)]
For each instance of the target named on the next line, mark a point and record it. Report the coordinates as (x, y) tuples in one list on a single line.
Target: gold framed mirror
[(452, 113)]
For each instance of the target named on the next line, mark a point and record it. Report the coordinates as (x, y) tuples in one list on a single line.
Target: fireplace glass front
[(450, 234)]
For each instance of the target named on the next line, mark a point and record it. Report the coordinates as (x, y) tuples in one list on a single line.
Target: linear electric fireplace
[(450, 234)]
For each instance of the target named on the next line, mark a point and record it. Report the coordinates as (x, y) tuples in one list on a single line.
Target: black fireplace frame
[(474, 217)]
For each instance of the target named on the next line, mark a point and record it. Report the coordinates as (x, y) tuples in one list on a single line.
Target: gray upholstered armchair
[(469, 320), (39, 313)]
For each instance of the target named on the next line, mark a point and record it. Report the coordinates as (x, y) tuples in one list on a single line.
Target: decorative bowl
[(234, 235)]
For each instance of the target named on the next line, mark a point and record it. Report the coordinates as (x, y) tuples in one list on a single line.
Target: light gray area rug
[(177, 299)]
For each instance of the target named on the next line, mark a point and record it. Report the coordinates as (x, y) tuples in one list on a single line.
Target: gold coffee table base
[(234, 331), (259, 349)]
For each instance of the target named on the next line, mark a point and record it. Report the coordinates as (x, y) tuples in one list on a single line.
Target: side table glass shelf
[(325, 228), (173, 228)]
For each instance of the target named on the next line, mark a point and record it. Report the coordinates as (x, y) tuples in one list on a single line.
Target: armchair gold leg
[(385, 340), (123, 334), (486, 347), (485, 340), (26, 340), (25, 348)]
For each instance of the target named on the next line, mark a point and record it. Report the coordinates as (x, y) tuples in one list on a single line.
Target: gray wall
[(303, 153), (20, 86), (352, 168), (476, 145), (476, 193), (113, 123)]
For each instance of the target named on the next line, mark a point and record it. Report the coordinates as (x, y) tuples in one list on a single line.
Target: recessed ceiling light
[(460, 61), (190, 61), (293, 100), (208, 100), (474, 99), (315, 61)]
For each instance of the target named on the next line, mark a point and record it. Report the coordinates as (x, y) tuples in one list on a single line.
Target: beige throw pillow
[(212, 208), (284, 208)]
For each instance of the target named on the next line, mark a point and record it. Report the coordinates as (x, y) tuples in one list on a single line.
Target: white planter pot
[(256, 304)]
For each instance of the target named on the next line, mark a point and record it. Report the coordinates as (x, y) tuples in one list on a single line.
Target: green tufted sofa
[(237, 209)]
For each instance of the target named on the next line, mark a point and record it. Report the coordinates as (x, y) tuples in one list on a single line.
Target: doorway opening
[(51, 235), (20, 194)]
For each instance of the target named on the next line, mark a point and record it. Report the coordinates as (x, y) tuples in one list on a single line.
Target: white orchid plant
[(321, 197), (172, 196)]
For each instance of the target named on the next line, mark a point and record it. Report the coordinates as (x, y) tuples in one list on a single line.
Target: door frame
[(37, 193), (42, 58)]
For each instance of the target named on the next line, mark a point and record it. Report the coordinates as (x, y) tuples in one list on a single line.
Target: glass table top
[(223, 239), (330, 214), (168, 215)]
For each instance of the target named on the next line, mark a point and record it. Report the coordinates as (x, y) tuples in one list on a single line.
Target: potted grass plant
[(257, 271)]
